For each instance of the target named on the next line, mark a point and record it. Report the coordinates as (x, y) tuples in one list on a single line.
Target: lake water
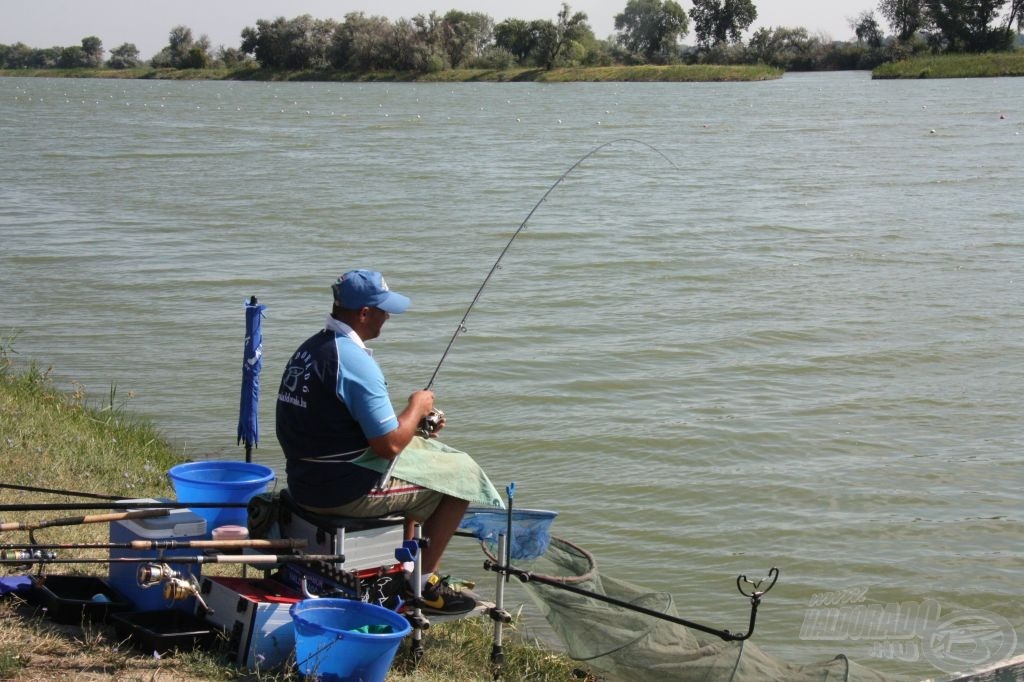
[(798, 342)]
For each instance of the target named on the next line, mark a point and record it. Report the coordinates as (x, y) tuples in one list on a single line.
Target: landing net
[(627, 646)]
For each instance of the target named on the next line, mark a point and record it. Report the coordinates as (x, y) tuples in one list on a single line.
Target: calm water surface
[(800, 343)]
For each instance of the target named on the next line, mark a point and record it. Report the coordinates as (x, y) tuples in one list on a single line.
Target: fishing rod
[(297, 543), (121, 504), (431, 421), (57, 491), (45, 558), (78, 520)]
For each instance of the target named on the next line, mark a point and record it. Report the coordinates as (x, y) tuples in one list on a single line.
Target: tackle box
[(253, 613), (70, 599), (164, 631)]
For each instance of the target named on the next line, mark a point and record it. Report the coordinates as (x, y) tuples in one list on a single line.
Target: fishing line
[(431, 422), (461, 327), (58, 491)]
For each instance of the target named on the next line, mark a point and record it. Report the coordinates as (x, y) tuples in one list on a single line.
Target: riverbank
[(989, 65), (639, 74), (54, 440)]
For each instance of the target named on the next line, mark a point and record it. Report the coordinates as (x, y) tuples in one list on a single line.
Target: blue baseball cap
[(365, 288)]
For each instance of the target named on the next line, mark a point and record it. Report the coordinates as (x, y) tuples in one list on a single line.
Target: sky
[(147, 23)]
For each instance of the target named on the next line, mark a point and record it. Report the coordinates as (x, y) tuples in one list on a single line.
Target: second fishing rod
[(430, 423)]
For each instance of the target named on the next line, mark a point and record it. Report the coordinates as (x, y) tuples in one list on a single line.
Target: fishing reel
[(176, 587), (430, 424)]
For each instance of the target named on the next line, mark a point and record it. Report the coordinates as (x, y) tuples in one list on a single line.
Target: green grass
[(647, 73), (55, 440), (989, 65)]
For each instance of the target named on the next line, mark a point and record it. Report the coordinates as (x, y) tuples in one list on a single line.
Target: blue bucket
[(213, 481), (330, 647)]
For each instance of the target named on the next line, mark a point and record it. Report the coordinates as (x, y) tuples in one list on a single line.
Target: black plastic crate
[(164, 631), (70, 599)]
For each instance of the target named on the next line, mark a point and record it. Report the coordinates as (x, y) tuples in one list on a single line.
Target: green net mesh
[(625, 645)]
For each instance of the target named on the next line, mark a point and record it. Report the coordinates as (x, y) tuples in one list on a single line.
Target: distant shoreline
[(641, 74), (987, 65)]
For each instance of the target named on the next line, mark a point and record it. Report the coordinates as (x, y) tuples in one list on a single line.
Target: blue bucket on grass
[(214, 481), (331, 646)]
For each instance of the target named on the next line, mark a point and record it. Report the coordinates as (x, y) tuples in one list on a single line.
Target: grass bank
[(989, 65), (50, 439), (676, 73)]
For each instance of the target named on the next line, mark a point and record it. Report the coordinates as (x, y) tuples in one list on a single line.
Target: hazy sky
[(147, 23)]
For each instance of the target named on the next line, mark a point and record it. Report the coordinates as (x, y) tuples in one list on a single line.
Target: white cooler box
[(179, 524), (253, 613)]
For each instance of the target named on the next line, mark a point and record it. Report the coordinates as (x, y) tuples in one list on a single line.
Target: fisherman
[(333, 412)]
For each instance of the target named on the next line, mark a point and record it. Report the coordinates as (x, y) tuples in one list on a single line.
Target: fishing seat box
[(370, 569), (254, 616), (365, 543), (180, 525)]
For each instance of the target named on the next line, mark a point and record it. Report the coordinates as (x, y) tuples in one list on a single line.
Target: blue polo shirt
[(332, 399)]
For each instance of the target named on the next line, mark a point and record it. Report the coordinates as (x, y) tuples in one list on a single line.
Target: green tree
[(555, 40), (232, 56), (516, 36), (179, 42), (867, 30), (905, 17), (1015, 15), (464, 35), (125, 56), (72, 57), (92, 51), (17, 56), (652, 28), (296, 44), (717, 22), (183, 51), (410, 49), (363, 43), (792, 49), (49, 57), (966, 25)]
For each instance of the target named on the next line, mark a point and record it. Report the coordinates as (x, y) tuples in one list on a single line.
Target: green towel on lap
[(432, 464)]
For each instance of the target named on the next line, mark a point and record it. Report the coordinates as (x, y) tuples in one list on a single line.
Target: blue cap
[(365, 288)]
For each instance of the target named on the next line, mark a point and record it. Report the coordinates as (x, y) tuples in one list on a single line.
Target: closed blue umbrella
[(248, 407)]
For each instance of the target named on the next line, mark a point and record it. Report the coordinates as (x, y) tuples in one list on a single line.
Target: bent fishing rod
[(430, 423)]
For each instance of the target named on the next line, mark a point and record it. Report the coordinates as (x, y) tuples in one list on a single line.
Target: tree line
[(646, 32)]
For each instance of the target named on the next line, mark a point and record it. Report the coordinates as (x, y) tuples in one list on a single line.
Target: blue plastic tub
[(215, 481), (342, 640)]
